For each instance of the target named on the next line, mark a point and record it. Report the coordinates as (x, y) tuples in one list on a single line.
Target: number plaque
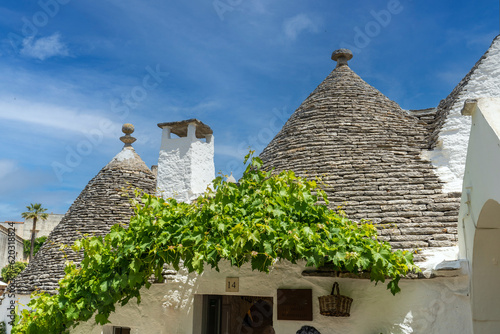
[(232, 284)]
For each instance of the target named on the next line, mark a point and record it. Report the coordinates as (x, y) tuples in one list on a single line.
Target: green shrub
[(10, 271), (264, 219)]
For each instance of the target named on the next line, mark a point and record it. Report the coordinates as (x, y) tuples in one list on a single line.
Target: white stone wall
[(482, 176), (185, 166), (43, 227), (16, 248), (438, 305), (449, 155), (202, 165), (479, 219)]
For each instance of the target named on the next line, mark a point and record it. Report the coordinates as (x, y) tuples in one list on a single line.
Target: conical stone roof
[(366, 150), (103, 203)]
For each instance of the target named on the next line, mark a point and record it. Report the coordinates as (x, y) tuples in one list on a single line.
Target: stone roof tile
[(366, 150), (103, 203)]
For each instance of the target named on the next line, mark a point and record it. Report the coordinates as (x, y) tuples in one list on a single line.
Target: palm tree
[(35, 212)]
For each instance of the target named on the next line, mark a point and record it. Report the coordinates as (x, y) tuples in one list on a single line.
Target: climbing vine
[(264, 219)]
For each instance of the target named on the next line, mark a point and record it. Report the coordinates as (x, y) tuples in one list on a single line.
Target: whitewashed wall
[(438, 305), (185, 165), (449, 155), (479, 220), (482, 176)]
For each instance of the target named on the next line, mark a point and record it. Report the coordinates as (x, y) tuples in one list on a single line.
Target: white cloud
[(295, 25), (44, 47), (56, 117), (6, 167)]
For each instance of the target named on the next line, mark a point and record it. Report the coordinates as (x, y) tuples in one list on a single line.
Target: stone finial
[(341, 56), (127, 129)]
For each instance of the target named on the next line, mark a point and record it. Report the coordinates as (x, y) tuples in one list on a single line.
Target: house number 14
[(232, 284)]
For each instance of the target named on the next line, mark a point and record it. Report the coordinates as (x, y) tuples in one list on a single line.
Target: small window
[(121, 330)]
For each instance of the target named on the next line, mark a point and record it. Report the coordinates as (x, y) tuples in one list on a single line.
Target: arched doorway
[(485, 294)]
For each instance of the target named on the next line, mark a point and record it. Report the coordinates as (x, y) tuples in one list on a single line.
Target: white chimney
[(186, 164)]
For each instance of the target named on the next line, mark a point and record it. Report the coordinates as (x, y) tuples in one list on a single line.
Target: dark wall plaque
[(295, 304)]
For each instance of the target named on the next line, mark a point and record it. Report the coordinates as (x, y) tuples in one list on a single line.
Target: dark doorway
[(237, 314)]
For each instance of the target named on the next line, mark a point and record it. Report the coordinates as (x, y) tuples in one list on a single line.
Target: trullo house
[(402, 170)]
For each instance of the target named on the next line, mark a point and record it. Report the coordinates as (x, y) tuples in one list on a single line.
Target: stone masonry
[(103, 203), (367, 152)]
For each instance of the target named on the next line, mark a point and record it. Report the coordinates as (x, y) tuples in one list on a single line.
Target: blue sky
[(73, 71)]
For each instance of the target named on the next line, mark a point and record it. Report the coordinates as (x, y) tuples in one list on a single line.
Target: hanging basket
[(335, 305)]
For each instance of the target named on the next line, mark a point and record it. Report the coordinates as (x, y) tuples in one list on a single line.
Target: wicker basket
[(335, 305)]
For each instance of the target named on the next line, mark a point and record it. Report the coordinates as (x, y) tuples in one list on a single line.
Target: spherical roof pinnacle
[(341, 56), (127, 129)]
